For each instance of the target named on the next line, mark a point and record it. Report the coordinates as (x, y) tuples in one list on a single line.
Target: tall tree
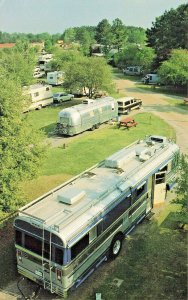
[(69, 35), (21, 150), (134, 55), (119, 34), (174, 71), (104, 34), (169, 31), (20, 62), (182, 190), (89, 72)]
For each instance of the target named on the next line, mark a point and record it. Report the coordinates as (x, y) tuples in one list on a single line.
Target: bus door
[(149, 200), (159, 187)]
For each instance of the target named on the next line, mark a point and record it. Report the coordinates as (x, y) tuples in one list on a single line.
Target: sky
[(54, 16)]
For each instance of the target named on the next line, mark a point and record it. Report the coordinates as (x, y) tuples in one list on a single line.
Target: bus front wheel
[(116, 246)]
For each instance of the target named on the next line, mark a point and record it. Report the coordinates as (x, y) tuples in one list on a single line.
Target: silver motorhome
[(64, 235), (88, 115), (40, 95)]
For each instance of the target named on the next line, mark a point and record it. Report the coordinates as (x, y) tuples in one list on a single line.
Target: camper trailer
[(44, 60), (85, 116), (134, 70), (40, 95), (64, 236), (55, 78), (151, 79), (126, 104)]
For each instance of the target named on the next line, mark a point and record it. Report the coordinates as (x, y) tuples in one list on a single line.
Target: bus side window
[(139, 192), (92, 234), (116, 212), (18, 237), (80, 246)]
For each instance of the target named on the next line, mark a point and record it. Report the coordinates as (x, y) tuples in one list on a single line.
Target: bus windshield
[(34, 245)]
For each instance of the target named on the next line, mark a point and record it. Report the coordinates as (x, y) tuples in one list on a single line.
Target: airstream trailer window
[(47, 89), (18, 237), (33, 244), (80, 246), (127, 102)]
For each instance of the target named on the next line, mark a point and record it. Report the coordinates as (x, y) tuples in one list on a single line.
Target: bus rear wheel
[(116, 245), (97, 126)]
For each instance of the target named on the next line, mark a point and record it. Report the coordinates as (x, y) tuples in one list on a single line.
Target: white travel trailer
[(85, 116), (133, 70), (40, 95), (55, 78), (63, 236), (44, 60), (151, 79)]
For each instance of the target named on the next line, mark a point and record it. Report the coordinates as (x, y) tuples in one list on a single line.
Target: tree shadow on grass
[(49, 130)]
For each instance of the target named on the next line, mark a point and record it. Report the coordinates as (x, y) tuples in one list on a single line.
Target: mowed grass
[(83, 151), (46, 118)]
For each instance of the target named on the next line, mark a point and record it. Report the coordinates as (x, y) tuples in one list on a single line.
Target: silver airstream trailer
[(88, 115)]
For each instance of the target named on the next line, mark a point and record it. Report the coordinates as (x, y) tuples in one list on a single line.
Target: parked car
[(61, 97), (38, 74)]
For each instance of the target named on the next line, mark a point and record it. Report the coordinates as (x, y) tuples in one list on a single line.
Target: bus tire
[(92, 128), (97, 126), (39, 107), (116, 245)]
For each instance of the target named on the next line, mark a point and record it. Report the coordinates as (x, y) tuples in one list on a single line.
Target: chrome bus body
[(79, 118), (63, 236)]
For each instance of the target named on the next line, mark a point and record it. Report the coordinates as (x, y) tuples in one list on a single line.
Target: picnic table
[(127, 123)]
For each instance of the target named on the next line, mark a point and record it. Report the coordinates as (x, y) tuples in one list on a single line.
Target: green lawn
[(46, 118), (87, 150)]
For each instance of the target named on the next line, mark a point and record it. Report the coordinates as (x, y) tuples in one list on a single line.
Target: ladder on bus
[(47, 261)]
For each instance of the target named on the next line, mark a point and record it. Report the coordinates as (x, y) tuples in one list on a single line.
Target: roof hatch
[(71, 196)]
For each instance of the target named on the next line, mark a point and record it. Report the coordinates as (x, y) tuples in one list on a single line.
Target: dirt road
[(158, 104)]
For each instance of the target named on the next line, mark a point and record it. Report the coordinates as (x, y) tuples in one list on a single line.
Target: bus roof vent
[(119, 159), (71, 196)]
